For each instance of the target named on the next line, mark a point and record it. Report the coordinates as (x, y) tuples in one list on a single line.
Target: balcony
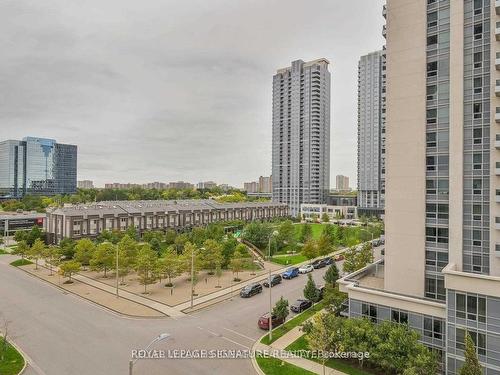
[(497, 87), (497, 250), (497, 223), (497, 61), (497, 115), (497, 30), (497, 6), (497, 196), (497, 168), (497, 141), (384, 10), (384, 31)]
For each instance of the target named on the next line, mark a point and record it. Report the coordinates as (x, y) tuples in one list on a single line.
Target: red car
[(264, 321), (339, 257)]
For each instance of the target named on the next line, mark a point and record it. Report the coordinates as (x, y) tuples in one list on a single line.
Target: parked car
[(318, 264), (321, 292), (275, 280), (264, 321), (251, 290), (300, 305), (291, 273), (306, 268), (339, 257), (382, 252), (328, 260)]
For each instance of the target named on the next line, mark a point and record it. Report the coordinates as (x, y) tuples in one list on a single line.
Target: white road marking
[(240, 334), (219, 335)]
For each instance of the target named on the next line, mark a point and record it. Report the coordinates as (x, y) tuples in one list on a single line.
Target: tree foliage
[(471, 365)]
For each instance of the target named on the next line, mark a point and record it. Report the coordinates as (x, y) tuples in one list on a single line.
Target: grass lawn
[(289, 260), (317, 229), (12, 363), (292, 323), (2, 251), (337, 364), (274, 366), (20, 262)]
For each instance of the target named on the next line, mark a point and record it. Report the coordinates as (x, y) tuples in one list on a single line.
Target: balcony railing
[(497, 6)]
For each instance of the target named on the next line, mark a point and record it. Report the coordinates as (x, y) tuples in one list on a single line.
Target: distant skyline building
[(206, 185), (251, 187), (37, 166), (342, 183), (264, 185), (371, 133), (85, 184), (180, 185), (301, 134)]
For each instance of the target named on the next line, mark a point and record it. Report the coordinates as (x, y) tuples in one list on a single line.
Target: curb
[(23, 354)]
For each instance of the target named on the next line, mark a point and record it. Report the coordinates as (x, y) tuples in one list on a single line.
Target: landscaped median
[(292, 323), (11, 361)]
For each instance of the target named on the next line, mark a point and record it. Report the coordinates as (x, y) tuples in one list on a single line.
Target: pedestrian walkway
[(167, 310)]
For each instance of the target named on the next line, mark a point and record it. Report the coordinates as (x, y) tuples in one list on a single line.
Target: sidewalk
[(283, 342)]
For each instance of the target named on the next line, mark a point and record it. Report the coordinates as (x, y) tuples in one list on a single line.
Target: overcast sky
[(160, 90)]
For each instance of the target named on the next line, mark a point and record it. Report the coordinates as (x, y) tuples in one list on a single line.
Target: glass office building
[(37, 166)]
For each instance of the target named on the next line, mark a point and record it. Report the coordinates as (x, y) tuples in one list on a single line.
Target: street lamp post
[(192, 278), (117, 282), (160, 337), (275, 233)]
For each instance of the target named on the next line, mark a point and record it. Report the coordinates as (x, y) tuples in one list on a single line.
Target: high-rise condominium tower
[(37, 166), (441, 272), (301, 134), (371, 134)]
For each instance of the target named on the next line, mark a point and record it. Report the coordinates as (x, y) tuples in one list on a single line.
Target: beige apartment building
[(441, 271)]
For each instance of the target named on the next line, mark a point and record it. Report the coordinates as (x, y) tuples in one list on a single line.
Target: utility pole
[(192, 277), (117, 282), (270, 309)]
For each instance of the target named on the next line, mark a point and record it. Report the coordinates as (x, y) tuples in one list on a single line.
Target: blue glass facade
[(37, 166)]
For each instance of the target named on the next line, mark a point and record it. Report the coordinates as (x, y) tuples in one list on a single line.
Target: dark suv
[(300, 305), (251, 290), (318, 264), (275, 280)]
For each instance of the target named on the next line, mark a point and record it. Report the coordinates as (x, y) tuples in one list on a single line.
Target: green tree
[(280, 310), (310, 290), (155, 245), (471, 365), (170, 236), (198, 236), (103, 257), (132, 232), (333, 298), (324, 246), (331, 233), (306, 233), (36, 233), (170, 265), (52, 256), (322, 335), (236, 264), (325, 218), (180, 242), (69, 268), (84, 249), (351, 263), (331, 275), (218, 274), (228, 248), (21, 249), (144, 264), (36, 251), (258, 234), (67, 246), (310, 249), (424, 362), (211, 255), (286, 235)]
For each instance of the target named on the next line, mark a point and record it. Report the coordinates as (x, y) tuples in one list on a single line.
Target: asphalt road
[(65, 335)]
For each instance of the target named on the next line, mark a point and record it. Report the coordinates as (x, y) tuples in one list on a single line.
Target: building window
[(432, 40), (432, 92), (471, 307), (477, 185), (477, 109), (477, 161), (432, 19), (434, 288), (478, 31), (477, 134), (433, 327), (478, 60), (369, 311), (431, 140), (478, 338), (399, 316), (478, 85), (432, 69), (436, 235)]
